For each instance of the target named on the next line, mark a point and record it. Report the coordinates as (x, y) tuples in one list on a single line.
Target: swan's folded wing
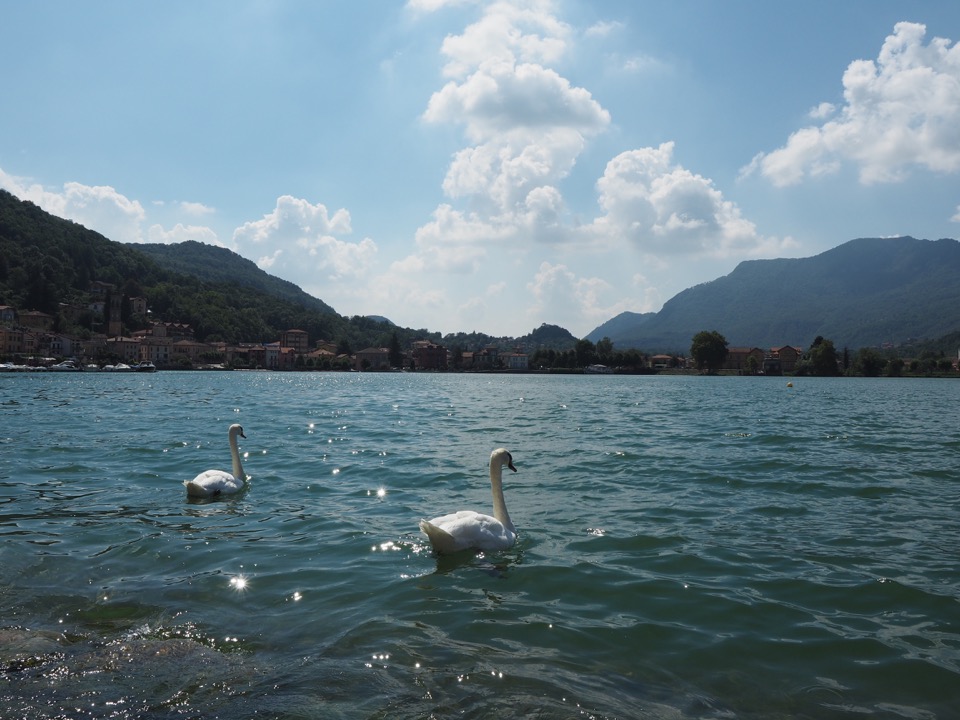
[(466, 529), (210, 483), (442, 541)]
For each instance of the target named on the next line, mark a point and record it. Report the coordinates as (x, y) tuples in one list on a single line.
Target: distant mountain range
[(864, 293)]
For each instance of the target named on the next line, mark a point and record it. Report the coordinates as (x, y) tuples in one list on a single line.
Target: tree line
[(709, 352)]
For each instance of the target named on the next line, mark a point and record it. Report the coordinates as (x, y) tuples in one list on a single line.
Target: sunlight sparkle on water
[(238, 582)]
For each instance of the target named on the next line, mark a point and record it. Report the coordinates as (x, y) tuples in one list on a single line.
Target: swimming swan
[(219, 482), (468, 529)]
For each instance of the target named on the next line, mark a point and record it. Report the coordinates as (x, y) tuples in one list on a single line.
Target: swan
[(211, 483), (467, 529)]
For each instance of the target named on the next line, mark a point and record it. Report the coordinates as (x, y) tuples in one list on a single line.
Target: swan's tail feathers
[(442, 541), (195, 489)]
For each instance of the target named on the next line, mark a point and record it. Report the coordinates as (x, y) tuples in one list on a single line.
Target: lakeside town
[(29, 340)]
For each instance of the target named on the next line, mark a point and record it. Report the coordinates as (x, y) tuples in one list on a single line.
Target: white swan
[(467, 529), (211, 483)]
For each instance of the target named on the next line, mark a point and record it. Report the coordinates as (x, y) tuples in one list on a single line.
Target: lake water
[(690, 547)]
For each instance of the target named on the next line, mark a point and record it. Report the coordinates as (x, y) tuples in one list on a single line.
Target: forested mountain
[(863, 293), (45, 261), (219, 265)]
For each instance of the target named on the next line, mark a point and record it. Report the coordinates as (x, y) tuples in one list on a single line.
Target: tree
[(709, 350), (604, 349), (869, 362), (823, 358), (585, 353), (395, 354)]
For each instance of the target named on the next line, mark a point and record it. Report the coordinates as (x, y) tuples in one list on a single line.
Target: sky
[(469, 166)]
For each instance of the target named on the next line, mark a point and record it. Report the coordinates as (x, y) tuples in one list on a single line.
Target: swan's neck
[(499, 505), (235, 455)]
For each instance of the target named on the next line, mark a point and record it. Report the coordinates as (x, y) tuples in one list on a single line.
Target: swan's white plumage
[(467, 529), (211, 483)]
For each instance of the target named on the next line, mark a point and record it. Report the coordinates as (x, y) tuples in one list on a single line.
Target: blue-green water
[(690, 547)]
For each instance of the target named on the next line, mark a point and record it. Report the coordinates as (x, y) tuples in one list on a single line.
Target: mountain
[(624, 323), (219, 265), (865, 292), (46, 261)]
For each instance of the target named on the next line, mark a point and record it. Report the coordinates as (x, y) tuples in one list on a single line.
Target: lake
[(689, 547)]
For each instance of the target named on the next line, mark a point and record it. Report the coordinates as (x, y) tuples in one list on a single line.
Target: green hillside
[(864, 293), (46, 261), (219, 265)]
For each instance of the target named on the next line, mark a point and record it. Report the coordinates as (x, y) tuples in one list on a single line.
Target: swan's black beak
[(510, 465), (242, 435)]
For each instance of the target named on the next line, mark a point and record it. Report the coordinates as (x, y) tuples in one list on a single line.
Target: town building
[(428, 356)]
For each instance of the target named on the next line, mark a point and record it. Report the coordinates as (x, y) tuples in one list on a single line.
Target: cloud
[(510, 32), (561, 296), (661, 207), (822, 111), (428, 6), (97, 207), (181, 233), (901, 112), (306, 234), (196, 209), (603, 29), (526, 123), (525, 126)]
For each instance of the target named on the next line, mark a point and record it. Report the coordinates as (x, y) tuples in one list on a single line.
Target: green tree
[(869, 362), (823, 358), (894, 368), (709, 350), (585, 353), (604, 349), (395, 354)]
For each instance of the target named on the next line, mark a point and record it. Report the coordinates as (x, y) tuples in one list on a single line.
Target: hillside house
[(429, 356), (36, 320), (296, 339), (738, 358), (138, 305), (786, 357), (125, 348), (661, 362), (18, 341), (372, 359), (515, 360)]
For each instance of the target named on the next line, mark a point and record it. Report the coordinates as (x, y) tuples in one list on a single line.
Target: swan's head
[(502, 457), (237, 429)]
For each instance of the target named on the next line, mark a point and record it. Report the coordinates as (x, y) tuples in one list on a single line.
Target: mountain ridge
[(864, 292)]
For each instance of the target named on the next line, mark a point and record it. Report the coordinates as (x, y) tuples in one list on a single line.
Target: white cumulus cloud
[(660, 206), (900, 112), (181, 233), (307, 235)]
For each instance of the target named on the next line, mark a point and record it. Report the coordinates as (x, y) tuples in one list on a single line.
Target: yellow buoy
[(789, 384)]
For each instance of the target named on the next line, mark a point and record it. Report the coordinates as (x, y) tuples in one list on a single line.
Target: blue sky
[(488, 166)]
